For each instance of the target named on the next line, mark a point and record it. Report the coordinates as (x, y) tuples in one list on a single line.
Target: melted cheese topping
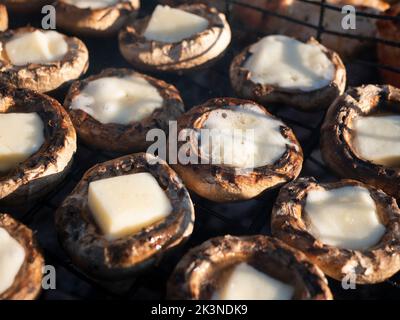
[(377, 139), (12, 256), (344, 217), (247, 283), (243, 138), (118, 100), (290, 64), (36, 47), (91, 4), (173, 25), (21, 135), (124, 205)]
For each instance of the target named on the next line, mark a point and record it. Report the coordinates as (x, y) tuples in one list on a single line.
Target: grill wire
[(250, 217)]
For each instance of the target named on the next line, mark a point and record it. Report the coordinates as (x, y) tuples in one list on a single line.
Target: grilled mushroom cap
[(223, 183), (336, 136), (42, 171), (372, 265), (28, 282), (197, 51), (43, 77), (197, 275), (3, 18), (268, 93), (105, 21), (104, 258), (117, 137), (25, 6)]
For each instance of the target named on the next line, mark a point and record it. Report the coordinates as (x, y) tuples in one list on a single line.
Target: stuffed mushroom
[(21, 262), (176, 39), (347, 228), (360, 137), (246, 268), (306, 76), (40, 60), (37, 144), (124, 215), (115, 109), (95, 18), (231, 149)]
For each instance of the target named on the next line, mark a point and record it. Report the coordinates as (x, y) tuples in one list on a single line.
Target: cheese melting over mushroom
[(21, 135), (377, 139), (36, 47), (118, 100), (173, 25), (290, 64), (12, 256), (242, 137), (124, 205), (247, 283), (92, 4), (344, 217)]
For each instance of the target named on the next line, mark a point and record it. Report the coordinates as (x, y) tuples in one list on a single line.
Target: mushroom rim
[(288, 224), (194, 275), (128, 5), (121, 257)]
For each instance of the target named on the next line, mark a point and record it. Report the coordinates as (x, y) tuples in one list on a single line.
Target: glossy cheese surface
[(92, 4)]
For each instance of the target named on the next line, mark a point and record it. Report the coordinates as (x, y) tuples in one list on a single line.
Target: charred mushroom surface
[(372, 264), (223, 182), (193, 52), (338, 133), (44, 169), (121, 257), (101, 18), (25, 6), (198, 275), (126, 137), (28, 280), (42, 76)]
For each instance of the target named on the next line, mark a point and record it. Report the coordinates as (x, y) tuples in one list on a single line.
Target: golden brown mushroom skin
[(198, 274), (102, 22), (305, 101), (124, 257), (3, 18), (120, 138), (28, 282), (221, 183), (337, 134), (44, 77), (372, 265), (42, 171)]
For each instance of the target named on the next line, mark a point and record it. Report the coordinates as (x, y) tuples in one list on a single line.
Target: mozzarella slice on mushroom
[(173, 25), (12, 256), (290, 64), (36, 47), (247, 283), (377, 139), (124, 205), (92, 4), (243, 137), (118, 100), (21, 135), (344, 217)]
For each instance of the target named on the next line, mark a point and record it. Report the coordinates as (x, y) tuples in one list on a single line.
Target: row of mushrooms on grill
[(334, 229)]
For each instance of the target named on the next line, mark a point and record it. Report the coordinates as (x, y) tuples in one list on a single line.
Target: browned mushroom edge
[(120, 138), (116, 259), (43, 77), (95, 22), (194, 52), (198, 274), (267, 93), (372, 265), (28, 282), (337, 135), (222, 183), (43, 170), (25, 6), (3, 18)]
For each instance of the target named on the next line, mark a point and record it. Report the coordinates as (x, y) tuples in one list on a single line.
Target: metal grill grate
[(250, 217)]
